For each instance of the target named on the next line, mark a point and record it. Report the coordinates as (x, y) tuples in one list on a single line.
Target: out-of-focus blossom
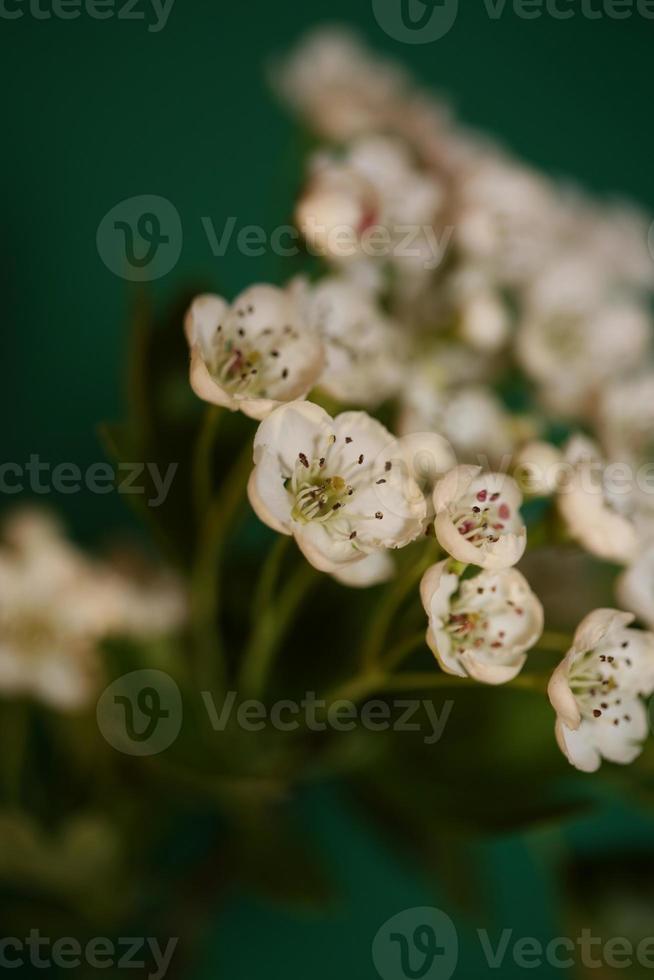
[(597, 514), (364, 349), (538, 468), (480, 627), (478, 519), (596, 691), (333, 485), (626, 418), (337, 86), (507, 219), (372, 201), (617, 236), (484, 320), (576, 334), (56, 605), (256, 353), (470, 417), (635, 587)]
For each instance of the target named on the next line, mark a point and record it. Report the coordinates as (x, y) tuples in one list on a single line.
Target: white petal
[(298, 427), (561, 697), (267, 495), (578, 746), (204, 385), (453, 485), (324, 550), (375, 568), (596, 626), (202, 319), (492, 673)]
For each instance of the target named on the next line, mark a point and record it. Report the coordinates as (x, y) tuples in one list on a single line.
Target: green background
[(99, 111)]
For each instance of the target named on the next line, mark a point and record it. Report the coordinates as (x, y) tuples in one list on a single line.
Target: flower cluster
[(57, 605), (450, 268)]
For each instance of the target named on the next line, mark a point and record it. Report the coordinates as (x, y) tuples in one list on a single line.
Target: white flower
[(596, 691), (577, 333), (596, 515), (508, 218), (470, 417), (337, 485), (480, 627), (635, 587), (364, 348), (478, 517), (337, 86), (626, 418), (538, 468), (483, 315), (256, 353), (484, 321), (374, 188), (55, 607)]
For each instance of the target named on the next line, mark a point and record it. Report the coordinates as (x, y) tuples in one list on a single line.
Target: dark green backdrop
[(99, 111)]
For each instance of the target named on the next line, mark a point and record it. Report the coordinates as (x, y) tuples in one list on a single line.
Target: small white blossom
[(508, 218), (336, 485), (364, 349), (56, 605), (635, 587), (478, 518), (374, 188), (256, 353), (596, 514), (483, 315), (538, 468), (596, 691), (469, 416), (480, 627), (626, 418), (577, 334), (337, 86)]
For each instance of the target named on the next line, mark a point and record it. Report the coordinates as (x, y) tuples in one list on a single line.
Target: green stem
[(269, 576), (395, 595), (360, 687), (272, 621), (418, 681), (202, 468), (206, 573), (402, 649)]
